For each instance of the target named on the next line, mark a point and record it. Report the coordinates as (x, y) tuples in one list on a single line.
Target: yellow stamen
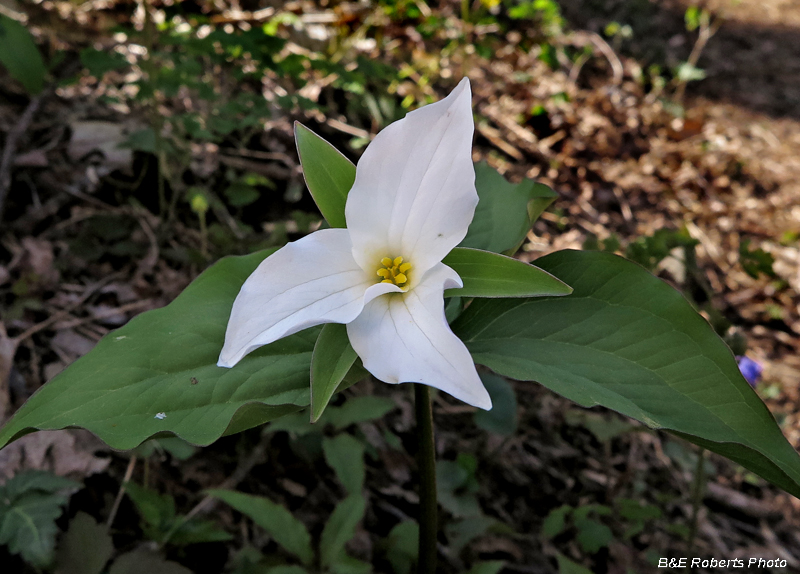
[(394, 271)]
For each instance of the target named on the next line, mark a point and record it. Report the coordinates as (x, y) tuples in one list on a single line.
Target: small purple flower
[(751, 370)]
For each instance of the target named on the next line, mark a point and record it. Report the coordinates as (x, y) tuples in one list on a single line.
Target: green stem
[(426, 456), (697, 495)]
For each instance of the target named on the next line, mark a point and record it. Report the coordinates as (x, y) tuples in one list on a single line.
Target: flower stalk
[(426, 460)]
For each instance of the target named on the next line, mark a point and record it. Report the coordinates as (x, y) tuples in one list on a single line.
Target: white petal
[(405, 338), (308, 282), (414, 193)]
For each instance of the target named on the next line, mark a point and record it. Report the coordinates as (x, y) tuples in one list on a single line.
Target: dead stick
[(120, 492), (10, 149)]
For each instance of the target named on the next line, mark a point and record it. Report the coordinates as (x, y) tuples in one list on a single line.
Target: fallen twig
[(10, 148)]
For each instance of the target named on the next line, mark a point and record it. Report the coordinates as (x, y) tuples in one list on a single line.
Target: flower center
[(394, 271)]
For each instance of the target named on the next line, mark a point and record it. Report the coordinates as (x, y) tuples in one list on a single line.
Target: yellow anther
[(394, 271)]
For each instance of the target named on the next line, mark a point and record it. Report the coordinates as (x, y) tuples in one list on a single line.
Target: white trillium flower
[(412, 201)]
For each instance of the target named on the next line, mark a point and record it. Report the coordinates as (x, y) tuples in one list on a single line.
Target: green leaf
[(491, 567), (403, 547), (502, 418), (29, 528), (85, 547), (195, 531), (332, 358), (157, 510), (143, 560), (555, 521), (20, 56), (279, 523), (462, 532), (158, 374), (345, 455), (143, 140), (340, 528), (98, 62), (177, 448), (604, 426), (505, 211), (349, 565), (29, 507), (455, 488), (567, 566), (592, 535), (487, 274), (329, 175), (627, 341), (30, 480), (358, 410), (755, 261), (239, 194), (288, 569)]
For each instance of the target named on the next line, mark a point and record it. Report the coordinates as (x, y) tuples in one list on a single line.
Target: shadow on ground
[(753, 61)]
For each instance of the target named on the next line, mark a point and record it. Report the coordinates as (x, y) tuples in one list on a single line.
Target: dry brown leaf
[(103, 137), (64, 452), (72, 344)]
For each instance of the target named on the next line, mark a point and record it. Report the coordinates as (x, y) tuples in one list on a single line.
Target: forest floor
[(78, 259)]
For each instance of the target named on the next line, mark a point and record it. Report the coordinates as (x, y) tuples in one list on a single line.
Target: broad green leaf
[(505, 211), (462, 532), (456, 487), (502, 418), (29, 528), (287, 569), (345, 455), (40, 480), (194, 531), (403, 547), (29, 507), (332, 358), (144, 560), (157, 510), (158, 374), (555, 521), (628, 341), (98, 62), (340, 528), (491, 567), (329, 175), (592, 535), (279, 523), (20, 56), (349, 565), (567, 566), (177, 448), (358, 410), (604, 426), (85, 547), (295, 423), (487, 274)]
